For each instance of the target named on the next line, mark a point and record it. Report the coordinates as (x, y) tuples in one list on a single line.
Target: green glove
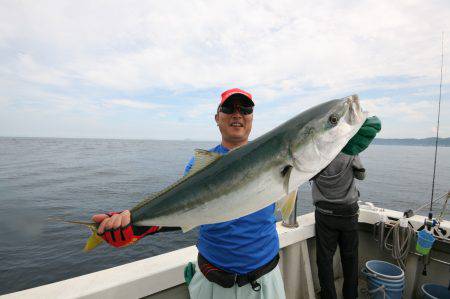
[(363, 137), (189, 272)]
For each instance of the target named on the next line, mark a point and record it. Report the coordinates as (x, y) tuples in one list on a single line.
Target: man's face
[(235, 127)]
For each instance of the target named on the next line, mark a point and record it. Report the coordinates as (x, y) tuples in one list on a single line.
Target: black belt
[(228, 279), (342, 210)]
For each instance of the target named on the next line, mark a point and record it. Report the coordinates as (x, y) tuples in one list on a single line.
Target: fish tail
[(93, 241)]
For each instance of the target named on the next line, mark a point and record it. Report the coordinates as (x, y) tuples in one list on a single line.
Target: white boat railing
[(162, 272), (145, 277)]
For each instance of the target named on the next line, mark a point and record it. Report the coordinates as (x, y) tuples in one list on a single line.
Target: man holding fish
[(247, 246), (232, 197)]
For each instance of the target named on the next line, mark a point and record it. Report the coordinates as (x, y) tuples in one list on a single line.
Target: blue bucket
[(389, 284), (434, 291), (385, 270), (425, 241), (383, 292), (384, 280)]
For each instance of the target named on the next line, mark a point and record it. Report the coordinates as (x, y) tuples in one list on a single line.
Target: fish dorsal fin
[(186, 228), (202, 158)]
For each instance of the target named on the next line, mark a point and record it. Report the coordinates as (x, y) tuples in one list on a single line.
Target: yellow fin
[(286, 172), (287, 204), (202, 158), (93, 241)]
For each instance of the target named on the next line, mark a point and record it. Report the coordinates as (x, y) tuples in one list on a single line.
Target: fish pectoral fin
[(203, 158), (187, 228), (286, 205), (93, 241), (286, 174)]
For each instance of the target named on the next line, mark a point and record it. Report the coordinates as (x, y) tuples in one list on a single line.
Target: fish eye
[(333, 119)]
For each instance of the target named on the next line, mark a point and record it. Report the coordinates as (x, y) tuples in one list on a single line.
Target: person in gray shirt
[(335, 183), (335, 196)]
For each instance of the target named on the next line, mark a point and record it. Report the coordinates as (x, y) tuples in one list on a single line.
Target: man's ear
[(216, 117)]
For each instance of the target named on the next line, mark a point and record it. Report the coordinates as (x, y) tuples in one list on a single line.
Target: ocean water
[(76, 178)]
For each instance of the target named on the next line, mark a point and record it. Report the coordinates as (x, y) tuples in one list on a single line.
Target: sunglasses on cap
[(244, 110)]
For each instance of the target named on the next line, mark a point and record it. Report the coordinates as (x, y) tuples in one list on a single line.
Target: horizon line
[(185, 139)]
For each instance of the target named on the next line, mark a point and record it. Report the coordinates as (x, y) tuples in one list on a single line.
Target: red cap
[(230, 92)]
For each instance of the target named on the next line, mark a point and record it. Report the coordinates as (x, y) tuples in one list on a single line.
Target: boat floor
[(362, 288)]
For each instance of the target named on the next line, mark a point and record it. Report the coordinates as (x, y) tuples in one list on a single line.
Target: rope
[(401, 242), (380, 288)]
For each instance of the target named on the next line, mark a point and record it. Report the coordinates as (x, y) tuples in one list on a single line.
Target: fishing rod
[(430, 223), (401, 230), (427, 204), (437, 128)]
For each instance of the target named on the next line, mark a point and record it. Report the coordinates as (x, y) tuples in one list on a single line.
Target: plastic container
[(425, 241), (384, 280), (387, 283), (385, 270), (434, 291)]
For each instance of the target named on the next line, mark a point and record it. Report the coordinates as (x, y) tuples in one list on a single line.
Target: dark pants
[(331, 231)]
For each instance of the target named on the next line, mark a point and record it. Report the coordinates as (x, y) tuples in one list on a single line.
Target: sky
[(156, 69)]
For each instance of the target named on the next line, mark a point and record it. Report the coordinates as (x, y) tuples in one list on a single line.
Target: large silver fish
[(267, 170)]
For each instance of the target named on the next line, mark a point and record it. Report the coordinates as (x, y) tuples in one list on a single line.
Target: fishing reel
[(428, 225), (430, 222)]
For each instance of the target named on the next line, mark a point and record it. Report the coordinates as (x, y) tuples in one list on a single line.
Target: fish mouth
[(355, 113)]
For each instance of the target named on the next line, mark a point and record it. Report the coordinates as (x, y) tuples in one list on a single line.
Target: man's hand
[(112, 221), (363, 137), (116, 229)]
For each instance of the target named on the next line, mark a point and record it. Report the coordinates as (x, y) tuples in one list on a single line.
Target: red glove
[(124, 236)]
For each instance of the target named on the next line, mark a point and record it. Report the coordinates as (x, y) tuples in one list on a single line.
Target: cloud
[(4, 101), (202, 109), (388, 108), (164, 45), (133, 104), (61, 55), (28, 69)]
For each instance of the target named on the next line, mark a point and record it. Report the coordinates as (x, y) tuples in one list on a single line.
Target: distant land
[(431, 141)]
